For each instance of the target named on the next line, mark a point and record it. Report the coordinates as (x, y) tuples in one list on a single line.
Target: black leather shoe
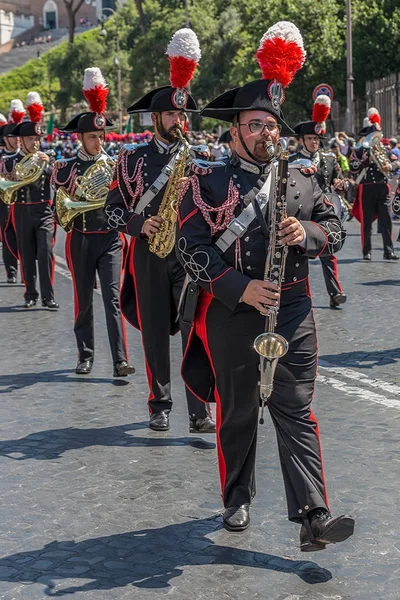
[(29, 303), (122, 369), (390, 256), (11, 280), (51, 304), (237, 518), (206, 425), (84, 367), (336, 300), (367, 256), (323, 529), (159, 421)]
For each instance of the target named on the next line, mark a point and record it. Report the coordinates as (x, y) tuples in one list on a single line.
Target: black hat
[(95, 91), (251, 96), (280, 55), (87, 121), (225, 138), (26, 128), (162, 98), (8, 130), (371, 123), (317, 126)]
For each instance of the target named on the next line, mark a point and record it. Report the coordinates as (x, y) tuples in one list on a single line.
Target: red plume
[(17, 111), (95, 90), (322, 107), (374, 116), (281, 53), (183, 54), (34, 107)]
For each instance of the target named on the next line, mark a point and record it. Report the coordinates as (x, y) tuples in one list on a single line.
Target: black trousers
[(228, 337), (35, 227), (157, 286), (331, 276), (9, 253), (375, 201), (87, 253)]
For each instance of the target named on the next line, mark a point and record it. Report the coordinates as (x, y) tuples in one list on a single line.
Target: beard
[(264, 150), (167, 134)]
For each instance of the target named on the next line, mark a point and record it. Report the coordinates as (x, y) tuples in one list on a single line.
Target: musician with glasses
[(223, 240), (92, 246), (32, 212), (330, 179)]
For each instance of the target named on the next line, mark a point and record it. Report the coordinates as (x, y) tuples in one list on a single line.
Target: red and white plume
[(374, 116), (17, 111), (281, 52), (95, 90), (184, 55), (3, 120), (35, 107), (321, 110)]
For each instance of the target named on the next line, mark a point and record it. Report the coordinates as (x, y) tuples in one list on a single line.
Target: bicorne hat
[(35, 109), (183, 54), (280, 55), (371, 123), (317, 125), (95, 91)]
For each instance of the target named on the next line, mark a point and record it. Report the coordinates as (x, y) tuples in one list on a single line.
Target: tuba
[(163, 241), (91, 190), (27, 171), (372, 142)]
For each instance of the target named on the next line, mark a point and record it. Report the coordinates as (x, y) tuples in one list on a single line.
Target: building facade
[(50, 14)]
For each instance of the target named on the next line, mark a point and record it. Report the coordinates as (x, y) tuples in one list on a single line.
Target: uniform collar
[(83, 155), (315, 157), (162, 148), (248, 166)]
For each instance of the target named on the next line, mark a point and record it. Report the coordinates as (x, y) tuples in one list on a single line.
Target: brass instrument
[(270, 345), (91, 191), (378, 155), (162, 242), (27, 171)]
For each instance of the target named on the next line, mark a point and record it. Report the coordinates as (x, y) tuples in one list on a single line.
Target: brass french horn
[(27, 171)]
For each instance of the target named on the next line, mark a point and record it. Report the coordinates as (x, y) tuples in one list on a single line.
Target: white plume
[(2, 118), (17, 105), (285, 30), (372, 111), (185, 43), (323, 99), (366, 122), (93, 77), (33, 98)]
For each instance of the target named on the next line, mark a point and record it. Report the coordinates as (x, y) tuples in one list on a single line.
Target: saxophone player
[(152, 285), (92, 245), (7, 168), (228, 264), (32, 213), (373, 193)]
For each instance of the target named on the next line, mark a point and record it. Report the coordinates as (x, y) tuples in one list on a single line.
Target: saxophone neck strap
[(240, 224), (157, 185)]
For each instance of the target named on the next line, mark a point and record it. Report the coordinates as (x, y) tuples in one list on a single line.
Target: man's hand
[(338, 184), (261, 294), (44, 157), (151, 226), (291, 232)]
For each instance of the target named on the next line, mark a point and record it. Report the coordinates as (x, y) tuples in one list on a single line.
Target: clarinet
[(270, 345)]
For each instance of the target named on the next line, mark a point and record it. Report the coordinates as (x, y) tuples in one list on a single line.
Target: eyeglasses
[(259, 128)]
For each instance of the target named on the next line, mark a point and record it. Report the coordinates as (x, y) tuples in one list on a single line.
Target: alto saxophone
[(163, 241), (270, 345)]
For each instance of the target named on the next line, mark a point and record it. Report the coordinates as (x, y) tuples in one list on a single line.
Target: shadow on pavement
[(19, 381), (382, 282), (147, 559), (54, 443), (363, 360)]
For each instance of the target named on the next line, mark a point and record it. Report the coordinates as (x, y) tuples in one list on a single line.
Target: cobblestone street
[(95, 506)]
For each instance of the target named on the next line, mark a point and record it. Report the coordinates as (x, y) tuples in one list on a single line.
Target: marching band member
[(330, 179), (92, 245), (373, 193), (229, 264), (32, 213), (152, 285)]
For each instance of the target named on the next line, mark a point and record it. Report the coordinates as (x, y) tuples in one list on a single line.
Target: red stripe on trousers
[(201, 330), (336, 273), (123, 239)]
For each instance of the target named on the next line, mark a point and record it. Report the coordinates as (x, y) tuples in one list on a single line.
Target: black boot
[(320, 529), (29, 303), (50, 304), (390, 256), (206, 425), (122, 369), (84, 367), (237, 518), (11, 279), (159, 421), (336, 300)]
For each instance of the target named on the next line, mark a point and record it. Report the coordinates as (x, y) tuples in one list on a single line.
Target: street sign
[(323, 88)]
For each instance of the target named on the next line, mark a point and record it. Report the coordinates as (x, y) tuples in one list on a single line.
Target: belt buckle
[(237, 228)]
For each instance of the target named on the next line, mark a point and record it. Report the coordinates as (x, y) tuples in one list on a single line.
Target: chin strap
[(247, 149)]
